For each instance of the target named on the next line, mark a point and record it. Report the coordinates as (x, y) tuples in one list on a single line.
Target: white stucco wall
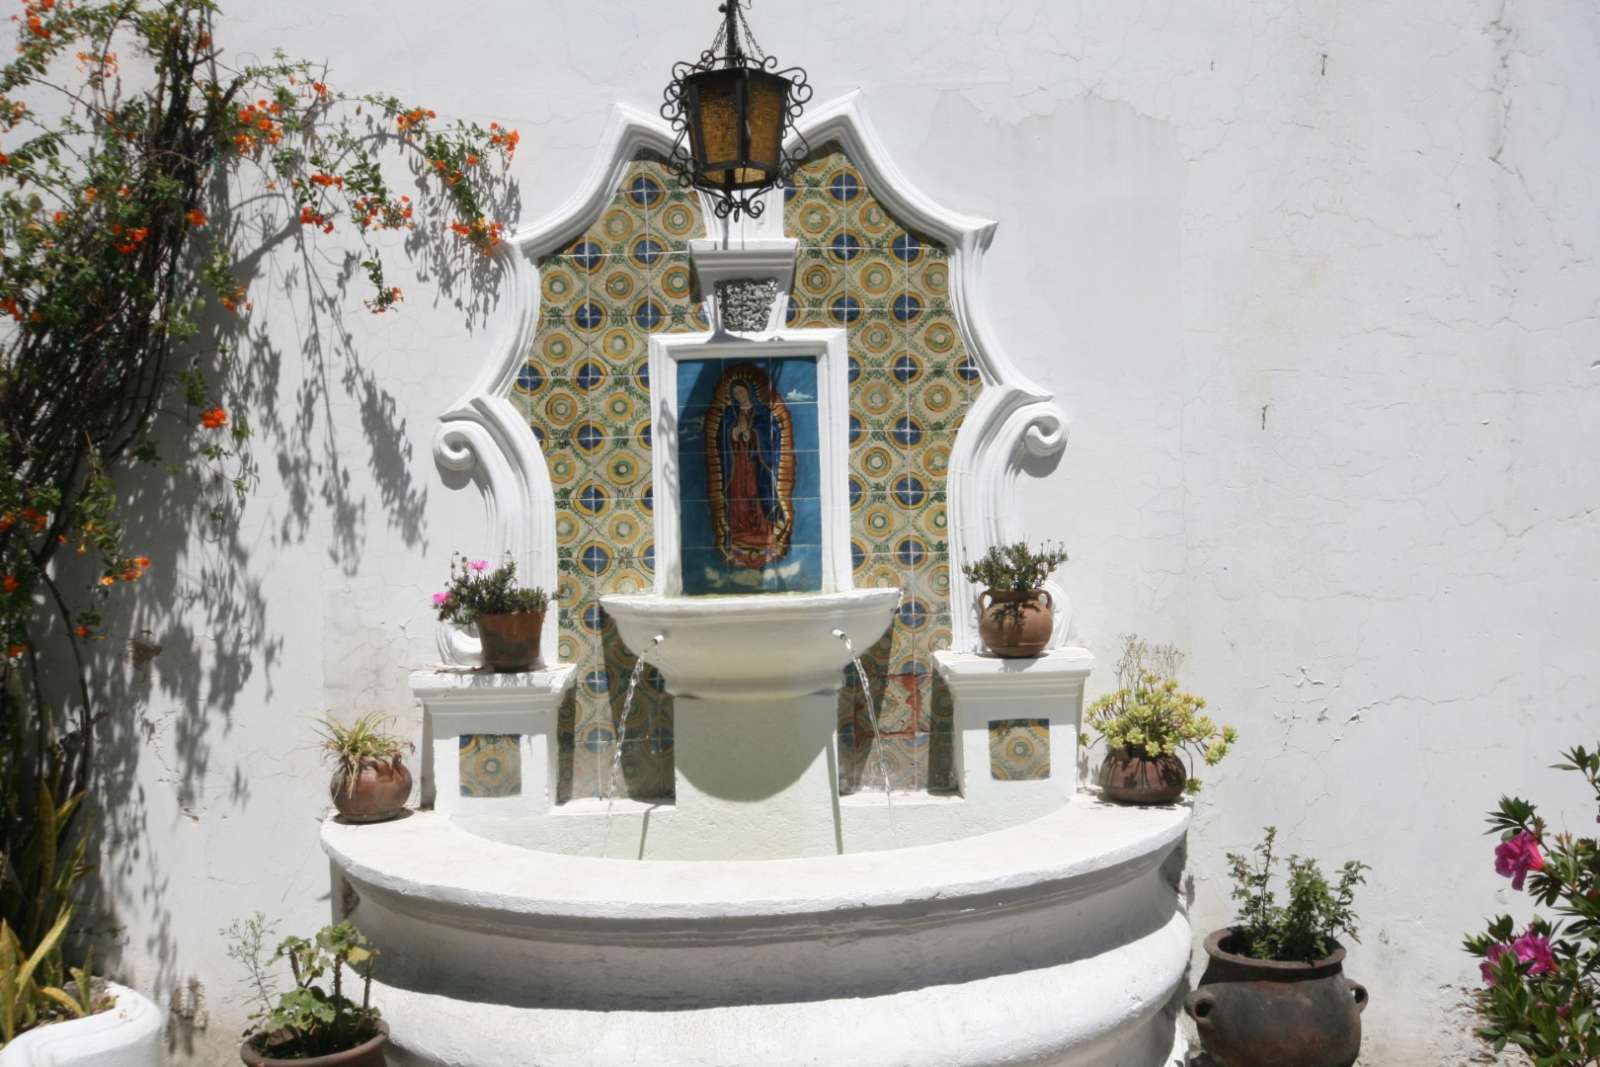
[(1314, 281)]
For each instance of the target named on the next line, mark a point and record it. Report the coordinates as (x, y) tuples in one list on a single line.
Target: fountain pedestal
[(755, 680)]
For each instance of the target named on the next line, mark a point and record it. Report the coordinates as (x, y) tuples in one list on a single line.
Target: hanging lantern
[(732, 111)]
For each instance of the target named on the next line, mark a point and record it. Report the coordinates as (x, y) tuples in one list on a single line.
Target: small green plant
[(1308, 927), (1148, 715), (472, 592), (366, 740), (25, 1000), (315, 1018), (1014, 568), (1542, 979)]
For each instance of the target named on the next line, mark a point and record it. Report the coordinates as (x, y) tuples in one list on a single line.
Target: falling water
[(622, 730), (872, 717)]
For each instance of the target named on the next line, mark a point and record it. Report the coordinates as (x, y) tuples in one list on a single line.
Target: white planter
[(128, 1035)]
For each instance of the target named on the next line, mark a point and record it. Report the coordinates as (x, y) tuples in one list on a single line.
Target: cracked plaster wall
[(1315, 283)]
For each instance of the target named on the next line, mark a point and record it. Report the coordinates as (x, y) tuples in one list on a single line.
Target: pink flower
[(479, 565), (440, 598), (1490, 958), (1534, 949), (1516, 857)]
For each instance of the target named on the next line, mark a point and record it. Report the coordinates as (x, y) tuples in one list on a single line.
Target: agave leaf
[(64, 999), (46, 945)]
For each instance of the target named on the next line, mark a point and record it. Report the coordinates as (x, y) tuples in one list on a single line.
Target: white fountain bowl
[(772, 646)]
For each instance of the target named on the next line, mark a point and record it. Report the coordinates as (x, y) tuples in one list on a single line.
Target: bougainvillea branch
[(125, 134)]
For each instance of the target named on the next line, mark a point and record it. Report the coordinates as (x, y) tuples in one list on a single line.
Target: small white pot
[(127, 1035)]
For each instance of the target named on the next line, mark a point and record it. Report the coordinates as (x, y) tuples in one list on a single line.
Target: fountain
[(749, 910)]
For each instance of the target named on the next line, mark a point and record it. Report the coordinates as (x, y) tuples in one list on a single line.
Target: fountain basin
[(1058, 941), (762, 647)]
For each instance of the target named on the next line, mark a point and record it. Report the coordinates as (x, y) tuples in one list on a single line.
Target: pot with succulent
[(370, 783), (313, 1024), (1146, 723), (509, 617), (1015, 610), (1274, 992)]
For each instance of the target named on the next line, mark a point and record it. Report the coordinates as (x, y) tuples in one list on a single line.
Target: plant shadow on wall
[(141, 390)]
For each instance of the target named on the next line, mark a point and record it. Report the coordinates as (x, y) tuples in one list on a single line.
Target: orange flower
[(10, 583), (38, 518), (213, 418), (196, 217), (59, 217), (16, 650), (82, 630), (90, 193), (326, 180), (142, 562), (319, 88), (7, 521), (9, 306), (106, 579)]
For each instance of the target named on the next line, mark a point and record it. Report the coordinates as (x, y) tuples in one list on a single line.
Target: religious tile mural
[(491, 765), (1019, 749), (749, 482), (585, 392)]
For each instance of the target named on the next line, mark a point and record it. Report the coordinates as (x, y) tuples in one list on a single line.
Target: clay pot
[(1015, 625), (511, 642), (1129, 777), (379, 791), (1261, 1013), (367, 1054)]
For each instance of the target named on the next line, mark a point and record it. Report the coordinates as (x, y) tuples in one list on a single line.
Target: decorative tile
[(491, 765), (1019, 749)]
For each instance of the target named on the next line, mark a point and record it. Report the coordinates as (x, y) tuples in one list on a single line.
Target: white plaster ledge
[(985, 672), (429, 859), (444, 685)]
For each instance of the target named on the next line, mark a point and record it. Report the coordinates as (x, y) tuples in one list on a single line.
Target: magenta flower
[(1490, 958), (1534, 950), (479, 565), (1516, 857), (440, 598)]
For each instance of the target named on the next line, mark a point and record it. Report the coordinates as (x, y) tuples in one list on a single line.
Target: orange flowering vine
[(213, 418)]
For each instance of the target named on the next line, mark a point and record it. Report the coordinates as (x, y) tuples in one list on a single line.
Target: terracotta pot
[(1260, 1013), (1016, 625), (511, 642), (367, 1054), (1129, 777), (379, 791)]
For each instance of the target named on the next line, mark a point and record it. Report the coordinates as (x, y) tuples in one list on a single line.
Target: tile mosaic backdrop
[(585, 392), (491, 765), (1019, 749)]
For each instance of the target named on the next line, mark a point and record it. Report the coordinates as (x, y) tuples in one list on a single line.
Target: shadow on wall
[(194, 632)]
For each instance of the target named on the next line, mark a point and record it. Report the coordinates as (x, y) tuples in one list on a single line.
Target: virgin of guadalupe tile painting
[(750, 515)]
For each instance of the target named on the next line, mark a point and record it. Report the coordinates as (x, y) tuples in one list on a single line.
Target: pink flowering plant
[(1542, 979), (476, 590)]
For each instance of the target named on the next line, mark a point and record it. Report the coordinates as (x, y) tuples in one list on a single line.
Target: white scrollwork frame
[(482, 438)]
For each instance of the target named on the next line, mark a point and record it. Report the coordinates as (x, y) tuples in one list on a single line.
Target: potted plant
[(1014, 608), (370, 783), (1542, 980), (314, 1024), (1274, 992), (1146, 723), (509, 618)]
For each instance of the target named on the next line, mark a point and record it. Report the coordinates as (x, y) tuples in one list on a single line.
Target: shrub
[(1542, 982), (1015, 568), (314, 1018), (365, 740), (1308, 927)]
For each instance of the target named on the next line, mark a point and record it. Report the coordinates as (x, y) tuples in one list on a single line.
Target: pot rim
[(1125, 752), (510, 614), (1329, 964), (246, 1050), (1012, 596)]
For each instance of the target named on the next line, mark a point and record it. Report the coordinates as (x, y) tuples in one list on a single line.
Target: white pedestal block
[(988, 689), (458, 702)]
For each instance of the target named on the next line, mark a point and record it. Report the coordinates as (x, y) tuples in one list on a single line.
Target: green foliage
[(475, 590), (1308, 927), (314, 1017), (1015, 568), (1542, 982), (366, 740), (1148, 715), (25, 997)]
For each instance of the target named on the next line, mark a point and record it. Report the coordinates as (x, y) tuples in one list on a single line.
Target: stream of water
[(872, 717), (622, 728)]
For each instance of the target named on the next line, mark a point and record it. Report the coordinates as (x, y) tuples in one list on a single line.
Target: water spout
[(872, 717), (622, 729)]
